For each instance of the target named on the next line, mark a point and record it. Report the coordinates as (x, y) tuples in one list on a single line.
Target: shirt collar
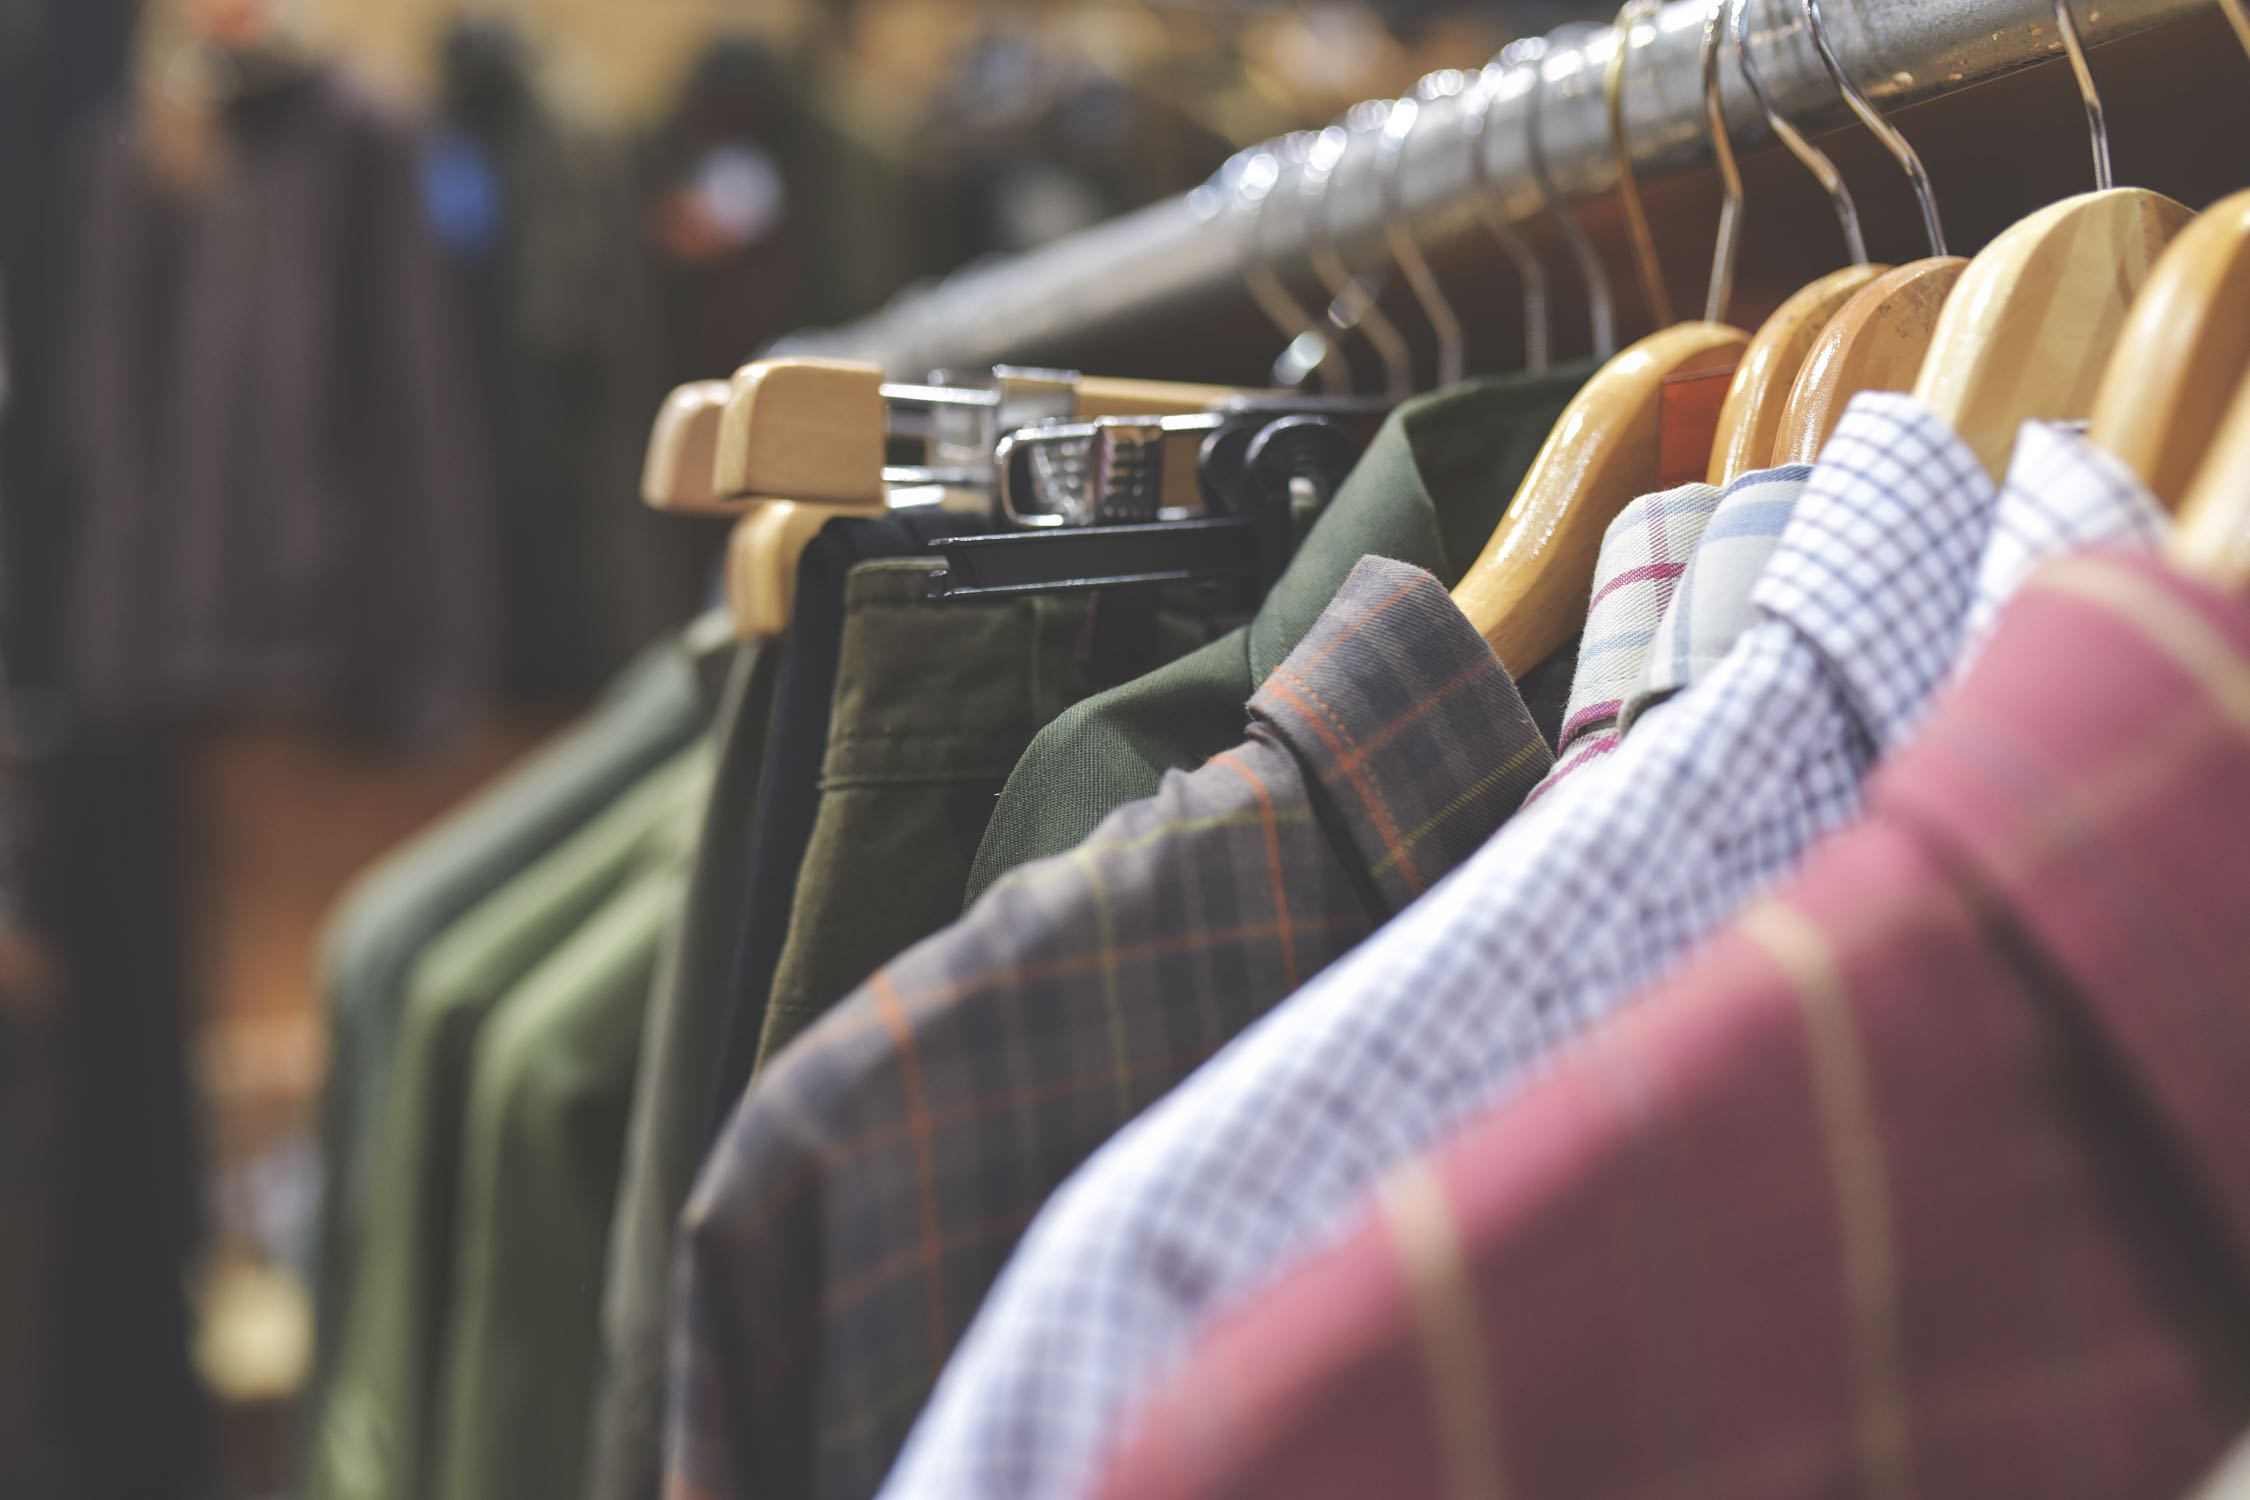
[(2062, 494), (2092, 771), (1876, 565), (1400, 713), (1710, 607), (1644, 552)]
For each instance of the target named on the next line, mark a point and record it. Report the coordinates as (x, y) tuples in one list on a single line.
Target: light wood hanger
[(816, 429), (1750, 421), (1527, 592), (683, 452), (2212, 538), (1877, 340), (2185, 345), (762, 556), (2031, 325)]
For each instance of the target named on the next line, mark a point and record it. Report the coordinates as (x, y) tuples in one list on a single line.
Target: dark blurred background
[(330, 333)]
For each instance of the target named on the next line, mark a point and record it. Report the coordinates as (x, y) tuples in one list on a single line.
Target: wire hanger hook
[(1816, 161), (1476, 121), (1310, 349), (1723, 254), (1651, 265), (1356, 303), (1601, 304), (2097, 122), (1901, 149), (1398, 130)]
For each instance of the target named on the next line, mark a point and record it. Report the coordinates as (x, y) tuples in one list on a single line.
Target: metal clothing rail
[(1168, 259)]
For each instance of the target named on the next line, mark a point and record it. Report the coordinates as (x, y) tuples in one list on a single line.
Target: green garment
[(935, 701), (399, 908), (548, 1102), (372, 1436), (671, 1111), (1429, 491)]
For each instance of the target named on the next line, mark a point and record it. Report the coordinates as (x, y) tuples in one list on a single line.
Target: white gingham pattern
[(1644, 553), (2062, 494), (1578, 903), (1711, 607)]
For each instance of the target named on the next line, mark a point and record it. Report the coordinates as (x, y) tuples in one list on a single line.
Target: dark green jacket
[(1429, 491)]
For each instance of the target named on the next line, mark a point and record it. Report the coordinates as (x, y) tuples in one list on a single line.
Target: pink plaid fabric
[(1926, 1177)]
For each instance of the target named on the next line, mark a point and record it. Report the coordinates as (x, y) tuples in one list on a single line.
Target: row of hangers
[(2118, 307)]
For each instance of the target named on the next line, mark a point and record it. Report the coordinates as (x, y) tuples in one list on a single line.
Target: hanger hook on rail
[(1601, 305), (1626, 27), (1816, 161), (2097, 122), (1901, 149), (1310, 350), (1476, 121), (1357, 300), (1723, 254), (1398, 130)]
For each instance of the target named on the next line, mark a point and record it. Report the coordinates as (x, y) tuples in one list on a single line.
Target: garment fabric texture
[(1429, 491), (664, 1138), (789, 794), (376, 1430), (971, 1075), (1992, 1051), (545, 1145), (267, 437), (1644, 551), (1580, 902), (2061, 494), (398, 908), (935, 701), (1710, 606)]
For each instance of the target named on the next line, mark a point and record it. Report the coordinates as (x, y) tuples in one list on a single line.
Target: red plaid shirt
[(1928, 1177)]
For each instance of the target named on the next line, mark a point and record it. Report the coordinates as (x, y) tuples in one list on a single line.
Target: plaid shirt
[(2062, 494), (1588, 896), (871, 1185), (1644, 552), (1925, 1178), (1710, 608)]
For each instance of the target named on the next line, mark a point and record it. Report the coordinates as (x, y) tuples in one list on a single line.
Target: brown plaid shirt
[(871, 1186)]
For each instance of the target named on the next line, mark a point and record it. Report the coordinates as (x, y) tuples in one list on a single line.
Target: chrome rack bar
[(1172, 258)]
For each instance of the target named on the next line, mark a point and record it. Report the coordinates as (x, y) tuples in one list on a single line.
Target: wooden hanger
[(1750, 421), (1527, 592), (683, 452), (1877, 340), (817, 429), (2185, 346), (2212, 538), (2030, 326), (2029, 330)]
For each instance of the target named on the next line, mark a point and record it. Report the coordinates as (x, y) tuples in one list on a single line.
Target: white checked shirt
[(2062, 494), (1711, 607), (1573, 907), (1644, 553)]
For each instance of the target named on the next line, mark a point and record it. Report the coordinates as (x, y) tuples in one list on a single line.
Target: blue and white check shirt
[(1578, 903), (1711, 608), (1644, 553), (2062, 494)]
